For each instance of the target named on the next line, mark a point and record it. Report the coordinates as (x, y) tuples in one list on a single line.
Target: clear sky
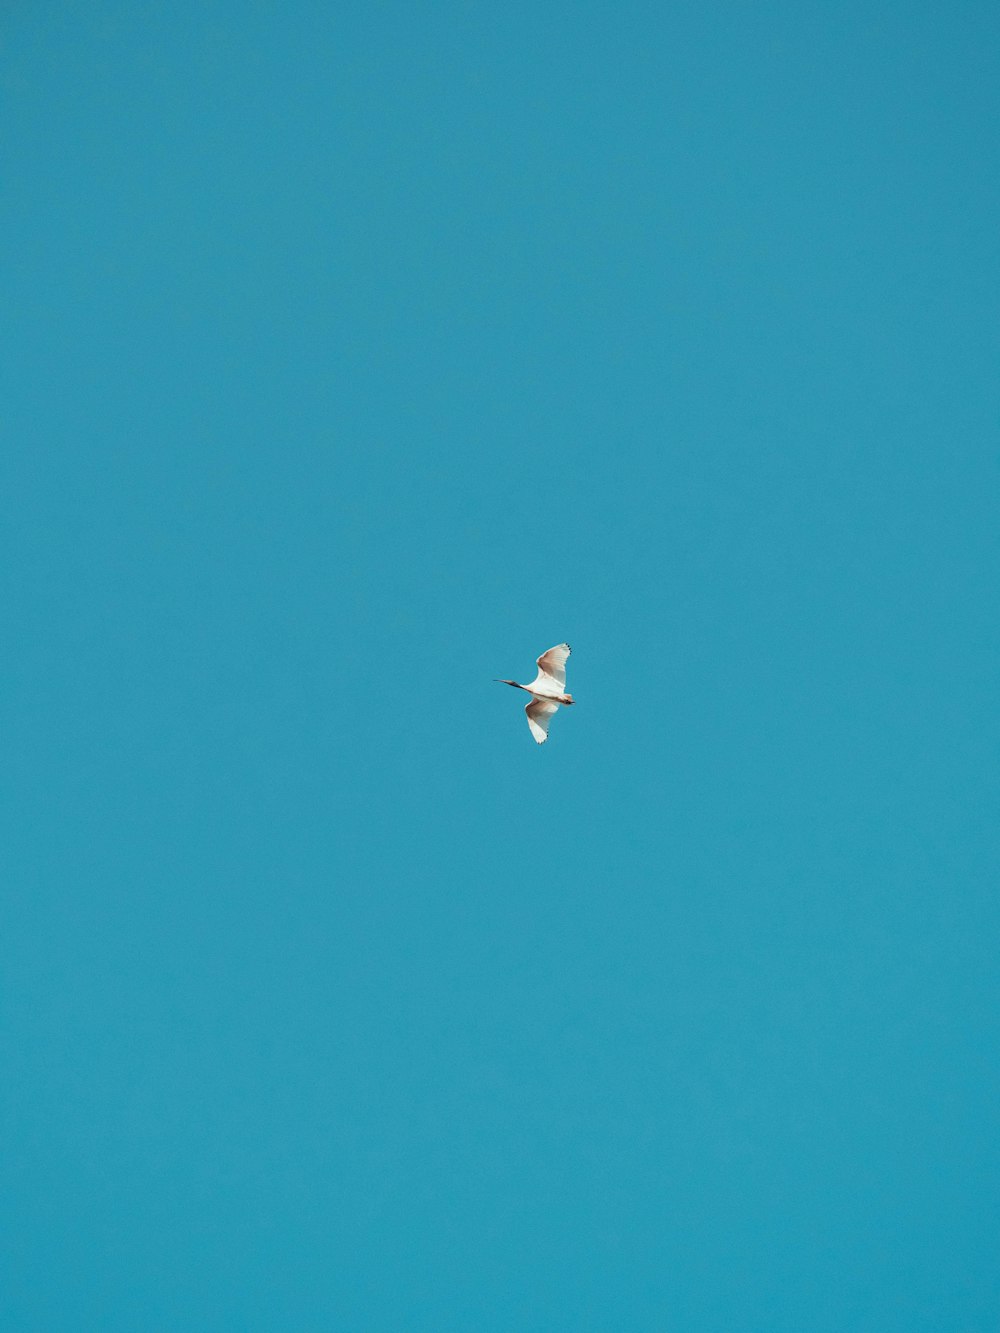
[(354, 355)]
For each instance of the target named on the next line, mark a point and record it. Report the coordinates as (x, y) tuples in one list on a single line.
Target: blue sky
[(356, 354)]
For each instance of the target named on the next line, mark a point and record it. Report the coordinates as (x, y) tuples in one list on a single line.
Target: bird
[(547, 690)]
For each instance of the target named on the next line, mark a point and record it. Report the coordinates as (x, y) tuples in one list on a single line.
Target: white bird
[(547, 690)]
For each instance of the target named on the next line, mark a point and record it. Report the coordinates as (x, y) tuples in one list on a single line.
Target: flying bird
[(547, 690)]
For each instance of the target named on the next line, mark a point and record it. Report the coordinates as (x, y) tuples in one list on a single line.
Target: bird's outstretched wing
[(540, 713), (552, 670)]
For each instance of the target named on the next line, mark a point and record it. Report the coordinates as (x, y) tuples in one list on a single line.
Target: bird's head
[(507, 682)]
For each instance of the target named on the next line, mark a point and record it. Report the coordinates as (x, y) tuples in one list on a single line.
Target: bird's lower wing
[(540, 713)]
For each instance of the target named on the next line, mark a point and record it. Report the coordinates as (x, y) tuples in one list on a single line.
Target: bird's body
[(547, 690)]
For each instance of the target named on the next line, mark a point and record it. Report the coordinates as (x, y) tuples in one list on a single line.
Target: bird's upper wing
[(539, 713), (552, 670)]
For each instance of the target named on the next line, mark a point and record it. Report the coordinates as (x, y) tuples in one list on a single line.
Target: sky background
[(355, 354)]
